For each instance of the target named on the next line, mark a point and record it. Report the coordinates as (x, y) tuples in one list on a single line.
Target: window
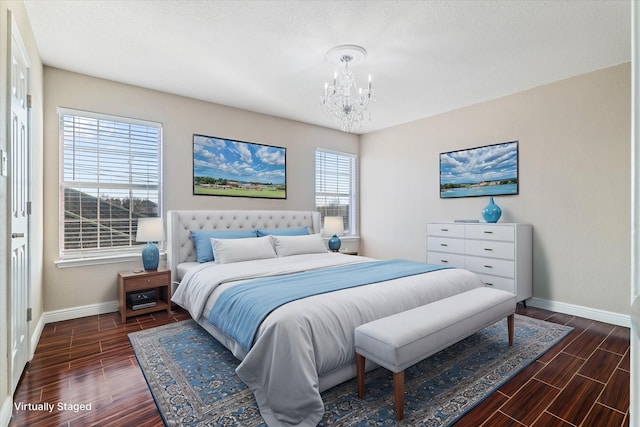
[(110, 175), (336, 187)]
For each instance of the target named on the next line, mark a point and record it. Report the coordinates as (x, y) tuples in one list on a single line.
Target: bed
[(306, 345)]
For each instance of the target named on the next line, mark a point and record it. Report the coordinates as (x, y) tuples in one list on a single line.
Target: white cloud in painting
[(238, 161)]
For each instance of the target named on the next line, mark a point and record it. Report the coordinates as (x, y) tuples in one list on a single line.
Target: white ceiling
[(426, 57)]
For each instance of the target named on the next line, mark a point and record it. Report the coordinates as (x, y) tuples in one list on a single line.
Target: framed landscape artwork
[(491, 170), (226, 167)]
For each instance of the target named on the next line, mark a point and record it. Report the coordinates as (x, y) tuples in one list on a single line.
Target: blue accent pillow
[(202, 241), (302, 231)]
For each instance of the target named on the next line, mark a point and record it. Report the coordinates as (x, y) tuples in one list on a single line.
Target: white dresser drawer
[(441, 258), (490, 248), (490, 232), (503, 283), (444, 244), (445, 230), (497, 267)]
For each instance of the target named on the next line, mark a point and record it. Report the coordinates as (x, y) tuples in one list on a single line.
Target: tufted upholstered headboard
[(180, 247)]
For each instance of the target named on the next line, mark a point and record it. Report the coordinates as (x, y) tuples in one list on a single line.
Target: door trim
[(17, 48)]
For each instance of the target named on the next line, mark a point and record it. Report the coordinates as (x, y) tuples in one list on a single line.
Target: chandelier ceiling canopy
[(343, 100)]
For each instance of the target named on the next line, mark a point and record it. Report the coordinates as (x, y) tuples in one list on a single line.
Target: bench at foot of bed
[(404, 339)]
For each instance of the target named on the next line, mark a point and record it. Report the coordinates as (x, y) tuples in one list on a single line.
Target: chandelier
[(343, 100)]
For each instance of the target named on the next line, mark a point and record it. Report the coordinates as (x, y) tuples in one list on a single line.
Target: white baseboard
[(5, 411), (35, 337), (77, 312), (580, 311)]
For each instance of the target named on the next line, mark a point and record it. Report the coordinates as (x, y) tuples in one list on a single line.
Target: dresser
[(500, 254)]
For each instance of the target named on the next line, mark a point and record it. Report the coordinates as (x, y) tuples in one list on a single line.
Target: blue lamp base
[(334, 243), (150, 256)]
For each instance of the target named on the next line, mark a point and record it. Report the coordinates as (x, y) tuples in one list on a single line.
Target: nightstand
[(135, 281)]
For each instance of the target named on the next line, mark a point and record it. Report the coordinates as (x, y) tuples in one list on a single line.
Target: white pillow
[(297, 245), (233, 250)]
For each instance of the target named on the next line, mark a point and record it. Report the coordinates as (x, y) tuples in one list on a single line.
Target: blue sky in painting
[(239, 161), (490, 163)]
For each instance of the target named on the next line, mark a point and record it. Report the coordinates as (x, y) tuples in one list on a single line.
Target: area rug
[(192, 378)]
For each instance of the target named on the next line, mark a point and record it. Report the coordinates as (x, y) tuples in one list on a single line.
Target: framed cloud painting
[(491, 170), (227, 167)]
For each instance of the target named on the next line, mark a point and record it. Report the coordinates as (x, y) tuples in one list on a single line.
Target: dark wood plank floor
[(583, 381)]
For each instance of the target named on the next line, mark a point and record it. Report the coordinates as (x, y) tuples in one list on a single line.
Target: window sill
[(351, 238), (99, 260)]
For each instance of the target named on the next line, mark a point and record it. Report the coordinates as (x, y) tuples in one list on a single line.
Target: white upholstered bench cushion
[(402, 340)]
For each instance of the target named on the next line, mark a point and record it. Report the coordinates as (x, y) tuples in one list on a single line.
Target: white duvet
[(305, 340)]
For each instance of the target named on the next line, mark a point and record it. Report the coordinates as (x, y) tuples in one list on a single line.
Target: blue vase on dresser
[(491, 212)]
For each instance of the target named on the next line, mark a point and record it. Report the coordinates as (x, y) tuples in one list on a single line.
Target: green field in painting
[(240, 192)]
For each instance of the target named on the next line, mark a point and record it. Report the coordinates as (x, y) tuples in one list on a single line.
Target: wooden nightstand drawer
[(146, 281)]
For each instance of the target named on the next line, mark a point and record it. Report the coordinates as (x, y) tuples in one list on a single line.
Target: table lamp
[(334, 225), (150, 230)]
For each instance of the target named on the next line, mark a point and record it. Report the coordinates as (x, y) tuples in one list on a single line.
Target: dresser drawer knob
[(443, 244), (444, 261), (488, 284), (488, 266), (488, 232), (444, 229), (488, 249)]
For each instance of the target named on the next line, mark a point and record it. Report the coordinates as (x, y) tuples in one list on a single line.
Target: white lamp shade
[(150, 230), (334, 225)]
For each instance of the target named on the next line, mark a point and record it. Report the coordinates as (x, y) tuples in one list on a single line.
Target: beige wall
[(574, 171), (181, 118), (13, 12), (574, 183)]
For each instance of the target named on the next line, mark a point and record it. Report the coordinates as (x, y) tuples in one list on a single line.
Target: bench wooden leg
[(360, 374), (398, 394), (510, 328)]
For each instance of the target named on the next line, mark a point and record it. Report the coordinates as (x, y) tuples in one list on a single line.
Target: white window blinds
[(336, 187), (110, 176)]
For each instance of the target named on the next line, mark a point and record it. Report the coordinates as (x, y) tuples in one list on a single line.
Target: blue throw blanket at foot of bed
[(240, 310)]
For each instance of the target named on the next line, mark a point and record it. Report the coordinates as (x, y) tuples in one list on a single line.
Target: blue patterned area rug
[(193, 381)]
